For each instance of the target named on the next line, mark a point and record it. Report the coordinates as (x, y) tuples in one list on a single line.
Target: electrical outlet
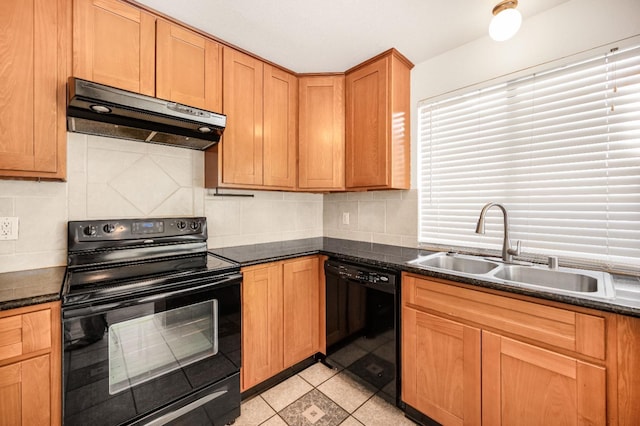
[(345, 218), (8, 228)]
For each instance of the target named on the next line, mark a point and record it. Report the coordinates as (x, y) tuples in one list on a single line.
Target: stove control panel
[(134, 229)]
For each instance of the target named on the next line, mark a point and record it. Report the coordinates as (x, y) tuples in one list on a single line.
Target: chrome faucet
[(507, 251)]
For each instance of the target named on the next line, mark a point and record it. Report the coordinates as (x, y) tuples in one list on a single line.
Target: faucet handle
[(515, 252)]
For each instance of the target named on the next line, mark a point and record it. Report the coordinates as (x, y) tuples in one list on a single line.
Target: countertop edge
[(584, 302), (29, 301)]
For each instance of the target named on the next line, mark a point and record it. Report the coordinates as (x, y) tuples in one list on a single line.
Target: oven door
[(153, 356)]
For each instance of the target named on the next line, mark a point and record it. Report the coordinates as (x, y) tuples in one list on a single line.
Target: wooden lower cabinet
[(441, 365), (30, 367), (526, 385), (301, 309), (262, 318), (471, 357), (282, 323)]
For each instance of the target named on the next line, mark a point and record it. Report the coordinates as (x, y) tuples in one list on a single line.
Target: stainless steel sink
[(566, 281), (549, 278), (456, 263)]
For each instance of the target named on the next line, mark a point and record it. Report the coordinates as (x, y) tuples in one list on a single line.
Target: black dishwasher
[(363, 324)]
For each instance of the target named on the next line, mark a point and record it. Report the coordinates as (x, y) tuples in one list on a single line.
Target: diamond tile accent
[(313, 413), (313, 408), (316, 408), (145, 184)]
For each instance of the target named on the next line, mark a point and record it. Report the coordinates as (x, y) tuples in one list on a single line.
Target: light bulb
[(505, 24)]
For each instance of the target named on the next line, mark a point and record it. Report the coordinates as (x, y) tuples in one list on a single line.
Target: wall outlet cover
[(8, 228), (345, 218)]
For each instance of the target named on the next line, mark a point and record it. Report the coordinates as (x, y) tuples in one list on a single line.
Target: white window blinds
[(560, 149)]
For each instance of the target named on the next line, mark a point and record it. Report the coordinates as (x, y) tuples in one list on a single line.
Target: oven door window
[(143, 348)]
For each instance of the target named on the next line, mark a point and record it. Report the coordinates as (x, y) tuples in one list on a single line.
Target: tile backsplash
[(112, 178), (385, 217)]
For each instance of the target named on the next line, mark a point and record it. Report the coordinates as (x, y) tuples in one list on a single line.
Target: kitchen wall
[(568, 29), (113, 178), (385, 217)]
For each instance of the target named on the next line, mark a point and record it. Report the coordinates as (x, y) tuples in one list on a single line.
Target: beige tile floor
[(320, 396)]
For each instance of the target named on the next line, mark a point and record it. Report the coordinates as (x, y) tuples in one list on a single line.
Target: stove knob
[(181, 224), (194, 225), (90, 230), (109, 228)]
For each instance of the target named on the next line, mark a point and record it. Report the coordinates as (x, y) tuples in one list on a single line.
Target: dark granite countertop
[(626, 301), (30, 287)]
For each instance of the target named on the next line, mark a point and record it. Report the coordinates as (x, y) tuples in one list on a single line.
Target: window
[(560, 149)]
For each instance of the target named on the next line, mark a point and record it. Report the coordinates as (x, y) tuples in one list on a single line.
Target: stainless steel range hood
[(101, 110)]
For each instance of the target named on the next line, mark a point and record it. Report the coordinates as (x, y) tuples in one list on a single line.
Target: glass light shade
[(505, 24)]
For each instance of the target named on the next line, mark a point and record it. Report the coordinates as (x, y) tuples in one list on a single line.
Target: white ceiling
[(334, 35)]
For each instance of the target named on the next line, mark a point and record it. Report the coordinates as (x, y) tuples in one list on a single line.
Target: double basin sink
[(566, 281)]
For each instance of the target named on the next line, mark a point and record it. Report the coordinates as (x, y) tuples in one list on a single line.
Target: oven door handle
[(97, 309)]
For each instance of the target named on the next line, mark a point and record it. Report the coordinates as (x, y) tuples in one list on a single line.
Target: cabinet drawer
[(26, 333), (578, 332)]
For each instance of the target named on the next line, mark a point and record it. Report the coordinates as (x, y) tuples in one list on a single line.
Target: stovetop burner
[(111, 259)]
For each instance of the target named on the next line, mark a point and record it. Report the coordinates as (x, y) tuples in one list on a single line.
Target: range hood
[(101, 110)]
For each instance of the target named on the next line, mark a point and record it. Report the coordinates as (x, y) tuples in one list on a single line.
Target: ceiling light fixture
[(506, 20)]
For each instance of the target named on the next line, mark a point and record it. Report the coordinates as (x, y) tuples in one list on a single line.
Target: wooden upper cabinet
[(526, 385), (378, 127), (34, 54), (189, 67), (114, 44), (321, 162), (258, 148), (241, 146), (280, 128)]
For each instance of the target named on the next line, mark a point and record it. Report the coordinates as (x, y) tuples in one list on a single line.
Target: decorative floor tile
[(253, 412), (315, 409), (328, 404), (377, 412), (317, 374), (286, 392), (346, 391)]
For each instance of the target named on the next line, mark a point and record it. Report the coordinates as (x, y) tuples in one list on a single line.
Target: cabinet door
[(441, 368), (33, 54), (189, 67), (25, 393), (261, 324), (241, 146), (280, 131), (367, 126), (114, 44), (321, 133), (301, 309), (526, 385)]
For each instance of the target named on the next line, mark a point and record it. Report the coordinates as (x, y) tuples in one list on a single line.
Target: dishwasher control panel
[(362, 274)]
